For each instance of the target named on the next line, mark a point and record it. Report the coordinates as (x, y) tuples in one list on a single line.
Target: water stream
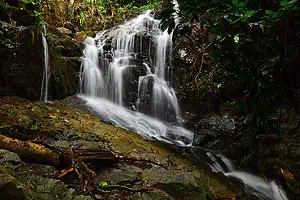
[(136, 94), (261, 188), (46, 72)]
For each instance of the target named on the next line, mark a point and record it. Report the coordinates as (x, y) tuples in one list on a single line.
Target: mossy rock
[(22, 61), (18, 183), (73, 125)]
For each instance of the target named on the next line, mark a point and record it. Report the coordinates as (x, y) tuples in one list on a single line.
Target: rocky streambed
[(146, 169)]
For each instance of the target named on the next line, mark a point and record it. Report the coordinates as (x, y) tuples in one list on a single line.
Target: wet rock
[(181, 191), (9, 188), (21, 68), (20, 64), (151, 196), (10, 160), (213, 127), (80, 36), (43, 170), (119, 177)]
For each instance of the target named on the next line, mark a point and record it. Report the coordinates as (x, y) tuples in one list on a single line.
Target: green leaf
[(236, 39), (283, 3), (102, 184), (35, 127), (4, 126), (248, 14), (235, 2)]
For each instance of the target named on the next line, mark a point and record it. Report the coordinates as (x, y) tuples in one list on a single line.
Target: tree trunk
[(29, 151), (52, 155)]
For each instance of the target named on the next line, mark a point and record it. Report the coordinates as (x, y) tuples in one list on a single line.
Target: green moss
[(181, 172), (90, 33), (181, 191)]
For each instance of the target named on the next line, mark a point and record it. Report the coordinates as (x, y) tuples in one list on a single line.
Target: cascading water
[(46, 73), (261, 188), (113, 78), (123, 46), (111, 73), (91, 79)]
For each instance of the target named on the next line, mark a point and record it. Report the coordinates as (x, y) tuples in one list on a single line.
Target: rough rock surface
[(62, 124), (18, 182), (22, 62)]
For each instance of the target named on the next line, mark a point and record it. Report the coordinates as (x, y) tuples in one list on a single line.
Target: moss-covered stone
[(20, 184), (64, 124)]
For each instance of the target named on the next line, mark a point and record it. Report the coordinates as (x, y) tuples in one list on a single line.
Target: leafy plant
[(251, 47), (82, 19)]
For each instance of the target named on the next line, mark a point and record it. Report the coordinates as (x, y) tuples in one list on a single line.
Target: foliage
[(35, 7), (255, 49), (113, 12)]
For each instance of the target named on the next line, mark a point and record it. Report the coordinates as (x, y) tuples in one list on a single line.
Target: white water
[(264, 189), (109, 78), (91, 78), (46, 73), (142, 124)]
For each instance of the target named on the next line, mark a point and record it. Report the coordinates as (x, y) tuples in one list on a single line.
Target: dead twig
[(121, 187), (202, 61)]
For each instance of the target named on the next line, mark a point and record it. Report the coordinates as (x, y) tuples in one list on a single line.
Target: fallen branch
[(121, 187), (148, 160), (29, 151)]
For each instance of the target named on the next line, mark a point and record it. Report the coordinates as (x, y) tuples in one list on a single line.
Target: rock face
[(22, 54), (22, 62), (174, 176)]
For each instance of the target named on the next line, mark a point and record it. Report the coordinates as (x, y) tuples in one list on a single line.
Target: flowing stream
[(46, 73), (261, 188), (136, 94)]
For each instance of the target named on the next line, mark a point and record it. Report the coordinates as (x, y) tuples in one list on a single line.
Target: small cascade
[(263, 189), (91, 79), (146, 126), (46, 73)]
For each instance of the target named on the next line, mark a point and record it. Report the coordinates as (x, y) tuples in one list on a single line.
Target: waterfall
[(110, 63), (146, 126), (46, 73), (125, 79), (91, 77)]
